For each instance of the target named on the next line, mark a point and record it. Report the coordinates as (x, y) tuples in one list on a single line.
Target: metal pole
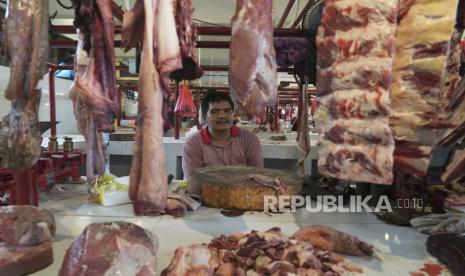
[(24, 187), (51, 93), (276, 115), (177, 118)]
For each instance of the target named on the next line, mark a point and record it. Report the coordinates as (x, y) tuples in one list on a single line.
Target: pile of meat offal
[(387, 85), (310, 251)]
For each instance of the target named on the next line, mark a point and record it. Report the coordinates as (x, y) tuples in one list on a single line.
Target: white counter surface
[(72, 211)]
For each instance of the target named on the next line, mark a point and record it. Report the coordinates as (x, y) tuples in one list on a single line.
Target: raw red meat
[(94, 92), (148, 182), (423, 34), (111, 248), (26, 236), (187, 34), (25, 42), (252, 73), (26, 225), (22, 260), (356, 42)]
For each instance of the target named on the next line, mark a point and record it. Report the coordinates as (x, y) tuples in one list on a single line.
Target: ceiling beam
[(214, 31), (286, 12), (302, 14)]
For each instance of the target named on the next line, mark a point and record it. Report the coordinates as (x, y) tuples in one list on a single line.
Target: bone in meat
[(355, 66), (252, 72), (423, 34), (26, 44)]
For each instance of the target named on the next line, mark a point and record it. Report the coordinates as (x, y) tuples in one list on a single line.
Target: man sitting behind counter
[(219, 142)]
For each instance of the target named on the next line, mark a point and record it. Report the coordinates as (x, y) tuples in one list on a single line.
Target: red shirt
[(243, 149)]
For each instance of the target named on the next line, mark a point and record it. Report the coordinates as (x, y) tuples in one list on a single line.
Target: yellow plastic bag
[(109, 192)]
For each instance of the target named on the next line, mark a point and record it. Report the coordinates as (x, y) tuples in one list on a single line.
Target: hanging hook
[(65, 7)]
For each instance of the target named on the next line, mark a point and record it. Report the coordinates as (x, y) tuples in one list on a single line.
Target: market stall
[(248, 137)]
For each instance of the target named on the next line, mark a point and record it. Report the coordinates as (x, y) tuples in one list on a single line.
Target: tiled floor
[(73, 212)]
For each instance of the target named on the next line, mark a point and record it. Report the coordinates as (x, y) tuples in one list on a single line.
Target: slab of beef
[(148, 180), (22, 260), (355, 44), (111, 248), (187, 34), (252, 72), (94, 92), (449, 249), (26, 236), (423, 34), (329, 239), (26, 44), (26, 225)]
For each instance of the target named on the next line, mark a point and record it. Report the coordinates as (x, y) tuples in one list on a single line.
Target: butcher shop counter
[(402, 249), (274, 153)]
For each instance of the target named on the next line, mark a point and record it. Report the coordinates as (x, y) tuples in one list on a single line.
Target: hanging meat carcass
[(424, 31), (355, 45), (252, 73), (167, 56), (26, 45), (94, 92), (187, 34), (148, 181)]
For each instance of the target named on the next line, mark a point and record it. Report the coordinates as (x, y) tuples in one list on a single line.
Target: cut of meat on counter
[(355, 45), (196, 259), (450, 250), (252, 72), (26, 225), (148, 185), (258, 253), (329, 239), (26, 44), (111, 248), (94, 92), (26, 237), (424, 31), (187, 34)]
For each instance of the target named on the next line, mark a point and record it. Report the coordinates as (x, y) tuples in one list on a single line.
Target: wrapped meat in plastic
[(185, 105)]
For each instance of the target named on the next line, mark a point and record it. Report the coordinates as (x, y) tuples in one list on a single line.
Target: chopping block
[(239, 187)]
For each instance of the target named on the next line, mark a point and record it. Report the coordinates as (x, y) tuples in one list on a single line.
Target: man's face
[(219, 115)]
